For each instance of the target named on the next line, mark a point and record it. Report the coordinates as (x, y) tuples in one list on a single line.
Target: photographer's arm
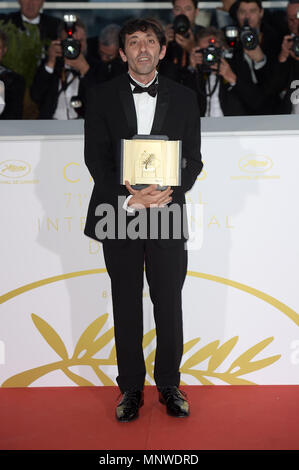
[(186, 43), (42, 83), (45, 76), (80, 64)]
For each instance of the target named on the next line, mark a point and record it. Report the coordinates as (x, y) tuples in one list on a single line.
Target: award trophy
[(149, 159)]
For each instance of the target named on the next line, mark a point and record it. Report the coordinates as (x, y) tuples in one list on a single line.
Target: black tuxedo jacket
[(111, 116), (14, 93)]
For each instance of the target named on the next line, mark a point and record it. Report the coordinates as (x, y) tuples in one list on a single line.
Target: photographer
[(269, 38), (60, 84), (253, 58), (104, 49), (286, 72), (12, 87), (180, 36), (211, 76)]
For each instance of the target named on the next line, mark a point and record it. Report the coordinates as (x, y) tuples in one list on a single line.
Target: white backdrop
[(240, 297)]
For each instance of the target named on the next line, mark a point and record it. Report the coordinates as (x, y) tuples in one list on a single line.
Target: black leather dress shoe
[(128, 407), (175, 401)]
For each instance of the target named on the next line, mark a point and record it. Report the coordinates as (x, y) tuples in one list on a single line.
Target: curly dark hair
[(142, 24)]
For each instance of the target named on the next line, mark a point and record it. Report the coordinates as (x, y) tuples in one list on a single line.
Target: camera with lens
[(249, 36), (211, 55), (181, 25), (70, 47)]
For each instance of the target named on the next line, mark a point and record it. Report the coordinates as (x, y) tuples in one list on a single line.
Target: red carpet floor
[(222, 417)]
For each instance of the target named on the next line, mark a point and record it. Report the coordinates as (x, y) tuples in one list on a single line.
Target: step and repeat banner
[(240, 298)]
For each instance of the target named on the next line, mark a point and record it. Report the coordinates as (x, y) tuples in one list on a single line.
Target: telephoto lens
[(181, 25), (248, 37)]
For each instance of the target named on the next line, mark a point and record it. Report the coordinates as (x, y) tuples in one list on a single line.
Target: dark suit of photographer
[(286, 78), (58, 79), (286, 71), (14, 85), (253, 68)]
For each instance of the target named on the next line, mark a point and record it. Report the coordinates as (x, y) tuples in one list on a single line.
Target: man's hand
[(286, 49), (186, 43), (225, 71), (79, 64), (256, 54), (195, 58), (148, 197), (169, 33), (54, 51), (226, 4)]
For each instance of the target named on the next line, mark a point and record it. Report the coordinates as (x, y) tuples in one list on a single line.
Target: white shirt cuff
[(260, 64), (49, 69), (131, 210)]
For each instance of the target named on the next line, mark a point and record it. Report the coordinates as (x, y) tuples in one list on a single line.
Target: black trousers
[(165, 264)]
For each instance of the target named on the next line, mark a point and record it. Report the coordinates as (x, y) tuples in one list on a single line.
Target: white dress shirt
[(64, 110), (34, 21), (145, 106), (213, 103)]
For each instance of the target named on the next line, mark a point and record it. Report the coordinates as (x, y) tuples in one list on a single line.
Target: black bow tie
[(152, 90)]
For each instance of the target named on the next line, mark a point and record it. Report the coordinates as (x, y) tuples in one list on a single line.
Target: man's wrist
[(232, 79), (84, 69), (282, 58), (126, 205)]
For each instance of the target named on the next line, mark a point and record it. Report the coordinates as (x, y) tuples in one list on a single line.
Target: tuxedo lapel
[(161, 107), (127, 101)]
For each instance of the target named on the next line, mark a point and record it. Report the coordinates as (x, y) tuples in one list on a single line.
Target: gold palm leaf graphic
[(90, 343)]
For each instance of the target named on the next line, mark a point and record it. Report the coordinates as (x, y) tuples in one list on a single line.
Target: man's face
[(31, 8), (252, 12), (293, 21), (185, 7), (108, 53), (142, 52), (2, 50)]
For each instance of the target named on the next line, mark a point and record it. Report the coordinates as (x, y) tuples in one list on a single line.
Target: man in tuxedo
[(142, 102)]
